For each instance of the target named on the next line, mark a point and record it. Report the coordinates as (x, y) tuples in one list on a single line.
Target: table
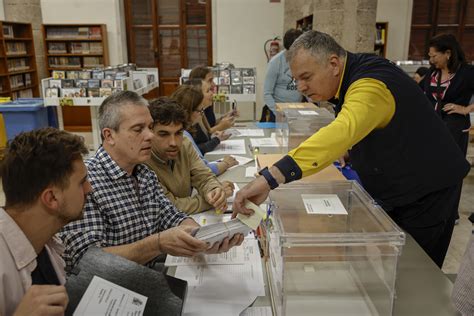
[(421, 287)]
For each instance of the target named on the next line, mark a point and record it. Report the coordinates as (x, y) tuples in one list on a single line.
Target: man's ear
[(107, 134), (49, 198), (336, 64)]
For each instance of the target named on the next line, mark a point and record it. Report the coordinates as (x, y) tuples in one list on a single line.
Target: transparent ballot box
[(295, 125), (331, 251)]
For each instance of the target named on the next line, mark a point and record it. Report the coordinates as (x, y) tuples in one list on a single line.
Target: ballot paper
[(323, 204), (253, 220), (264, 142), (308, 112), (106, 298), (224, 289), (230, 147), (246, 132), (217, 232)]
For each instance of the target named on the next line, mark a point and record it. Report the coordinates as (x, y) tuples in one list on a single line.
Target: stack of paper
[(246, 132), (230, 146), (264, 142), (217, 232), (226, 288)]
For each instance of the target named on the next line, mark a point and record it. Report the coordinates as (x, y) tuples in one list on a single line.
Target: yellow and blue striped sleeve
[(368, 105)]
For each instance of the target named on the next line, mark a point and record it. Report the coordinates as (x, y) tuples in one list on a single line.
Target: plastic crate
[(23, 115)]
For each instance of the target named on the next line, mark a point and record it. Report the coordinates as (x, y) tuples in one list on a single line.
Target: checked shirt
[(121, 209)]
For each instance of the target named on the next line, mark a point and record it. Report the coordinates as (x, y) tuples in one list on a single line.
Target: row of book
[(75, 48), (97, 82), (19, 81), (90, 83), (27, 93), (8, 31), (79, 92), (75, 62), (93, 74), (18, 64), (236, 89), (15, 48), (80, 32)]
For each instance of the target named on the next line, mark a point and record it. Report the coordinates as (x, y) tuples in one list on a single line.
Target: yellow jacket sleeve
[(368, 105)]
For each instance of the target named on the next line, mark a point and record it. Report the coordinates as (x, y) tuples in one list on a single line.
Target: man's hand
[(226, 244), (255, 191), (43, 300), (228, 188), (177, 241), (217, 198)]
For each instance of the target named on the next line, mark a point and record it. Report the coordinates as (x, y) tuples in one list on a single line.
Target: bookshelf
[(75, 47), (380, 45), (18, 74)]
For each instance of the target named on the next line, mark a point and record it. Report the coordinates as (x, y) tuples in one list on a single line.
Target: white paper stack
[(217, 232), (226, 288)]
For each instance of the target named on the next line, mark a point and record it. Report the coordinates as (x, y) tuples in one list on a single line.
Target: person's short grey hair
[(110, 109), (319, 44)]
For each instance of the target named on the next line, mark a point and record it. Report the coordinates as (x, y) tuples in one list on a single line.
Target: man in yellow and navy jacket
[(402, 151)]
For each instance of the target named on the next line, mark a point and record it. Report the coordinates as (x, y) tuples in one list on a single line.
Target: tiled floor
[(462, 232)]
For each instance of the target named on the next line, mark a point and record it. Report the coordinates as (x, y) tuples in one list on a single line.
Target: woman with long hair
[(191, 99)]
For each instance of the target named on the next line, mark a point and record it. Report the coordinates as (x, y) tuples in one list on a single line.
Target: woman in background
[(449, 85), (205, 138), (227, 120), (191, 99)]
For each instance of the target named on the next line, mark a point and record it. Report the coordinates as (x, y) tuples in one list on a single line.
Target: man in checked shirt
[(127, 213)]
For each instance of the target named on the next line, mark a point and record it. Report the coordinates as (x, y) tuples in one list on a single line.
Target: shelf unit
[(92, 103), (75, 47), (380, 45), (305, 24), (18, 72)]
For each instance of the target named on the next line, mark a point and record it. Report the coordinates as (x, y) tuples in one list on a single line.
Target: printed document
[(106, 298), (224, 289), (246, 132), (230, 147), (264, 142), (323, 204), (234, 256)]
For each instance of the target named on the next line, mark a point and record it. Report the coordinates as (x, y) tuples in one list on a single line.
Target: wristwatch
[(269, 178)]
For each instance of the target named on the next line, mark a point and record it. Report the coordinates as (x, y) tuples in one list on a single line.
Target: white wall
[(239, 29), (2, 11), (398, 15), (109, 12)]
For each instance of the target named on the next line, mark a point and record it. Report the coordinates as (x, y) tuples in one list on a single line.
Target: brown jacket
[(179, 178)]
